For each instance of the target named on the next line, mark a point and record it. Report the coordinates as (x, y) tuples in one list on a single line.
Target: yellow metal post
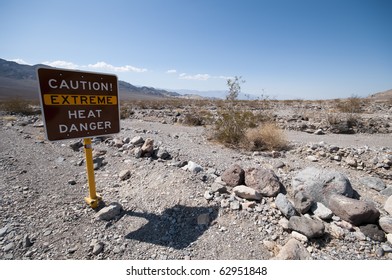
[(93, 199)]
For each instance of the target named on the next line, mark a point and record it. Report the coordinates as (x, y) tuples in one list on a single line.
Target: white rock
[(246, 192), (321, 211), (299, 236)]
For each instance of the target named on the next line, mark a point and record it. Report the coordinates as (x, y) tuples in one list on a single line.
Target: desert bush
[(267, 136), (193, 120), (17, 106), (351, 105), (231, 125), (125, 112)]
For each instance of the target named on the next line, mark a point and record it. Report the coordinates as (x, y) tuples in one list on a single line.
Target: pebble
[(3, 231), (8, 247)]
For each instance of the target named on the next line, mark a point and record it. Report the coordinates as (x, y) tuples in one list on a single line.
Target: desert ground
[(171, 190)]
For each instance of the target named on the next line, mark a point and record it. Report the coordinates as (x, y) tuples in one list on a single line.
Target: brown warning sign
[(78, 104)]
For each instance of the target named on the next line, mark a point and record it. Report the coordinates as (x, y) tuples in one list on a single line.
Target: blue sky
[(305, 49)]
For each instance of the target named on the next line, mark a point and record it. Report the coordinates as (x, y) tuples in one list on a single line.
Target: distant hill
[(20, 81), (384, 95)]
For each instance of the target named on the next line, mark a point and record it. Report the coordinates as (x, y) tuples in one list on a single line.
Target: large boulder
[(320, 184), (233, 176), (357, 212), (264, 181), (309, 227)]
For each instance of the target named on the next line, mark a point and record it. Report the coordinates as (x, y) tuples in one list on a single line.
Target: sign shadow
[(176, 227)]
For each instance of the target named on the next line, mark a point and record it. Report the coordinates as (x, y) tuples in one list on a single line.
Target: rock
[(285, 206), (235, 205), (279, 164), (26, 241), (284, 223), (386, 248), (319, 184), (98, 248), (124, 175), (389, 237), (336, 231), (137, 152), (351, 161), (302, 202), (386, 224), (72, 249), (118, 143), (357, 212), (359, 235), (311, 228), (263, 180), (312, 158), (217, 187), (388, 205), (373, 232), (299, 236), (380, 252), (75, 146), (203, 219), (71, 182), (373, 183), (3, 231), (137, 140), (193, 167), (9, 247), (233, 176), (225, 203), (109, 212), (148, 147), (162, 153), (387, 191), (321, 211), (319, 132), (246, 192), (293, 250), (98, 162), (208, 195)]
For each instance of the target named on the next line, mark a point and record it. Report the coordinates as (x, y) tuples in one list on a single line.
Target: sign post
[(79, 104)]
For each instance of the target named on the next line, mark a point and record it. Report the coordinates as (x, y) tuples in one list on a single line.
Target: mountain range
[(20, 81)]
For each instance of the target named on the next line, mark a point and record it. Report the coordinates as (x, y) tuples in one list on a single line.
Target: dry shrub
[(125, 111), (267, 136), (198, 118), (193, 120), (17, 106), (351, 105)]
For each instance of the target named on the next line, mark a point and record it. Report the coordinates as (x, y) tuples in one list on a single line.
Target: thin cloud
[(101, 65), (127, 68), (171, 71), (197, 77), (61, 64)]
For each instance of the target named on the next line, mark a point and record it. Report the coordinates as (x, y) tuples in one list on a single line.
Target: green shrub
[(231, 125)]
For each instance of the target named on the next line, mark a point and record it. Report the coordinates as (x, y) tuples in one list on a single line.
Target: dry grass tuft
[(267, 136)]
